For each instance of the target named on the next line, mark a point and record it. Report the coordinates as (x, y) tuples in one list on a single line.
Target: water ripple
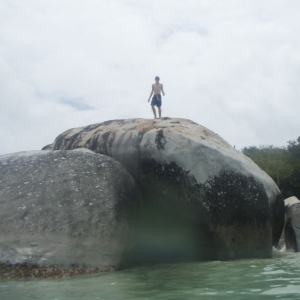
[(243, 279)]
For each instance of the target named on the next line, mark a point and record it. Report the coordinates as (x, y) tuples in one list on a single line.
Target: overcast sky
[(230, 65)]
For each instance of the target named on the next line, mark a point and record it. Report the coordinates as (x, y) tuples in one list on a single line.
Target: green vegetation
[(281, 163)]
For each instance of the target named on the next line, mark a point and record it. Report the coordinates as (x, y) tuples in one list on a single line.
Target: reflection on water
[(276, 278)]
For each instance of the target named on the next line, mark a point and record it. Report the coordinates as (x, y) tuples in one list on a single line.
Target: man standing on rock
[(157, 88)]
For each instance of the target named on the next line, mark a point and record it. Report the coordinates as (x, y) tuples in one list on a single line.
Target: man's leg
[(159, 111), (154, 111)]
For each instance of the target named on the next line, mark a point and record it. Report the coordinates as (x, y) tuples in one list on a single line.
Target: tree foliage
[(280, 163)]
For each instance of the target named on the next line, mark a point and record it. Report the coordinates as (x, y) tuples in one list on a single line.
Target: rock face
[(291, 200), (202, 199), (292, 224), (65, 211)]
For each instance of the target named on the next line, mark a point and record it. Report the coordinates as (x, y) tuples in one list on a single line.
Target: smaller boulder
[(292, 224), (63, 212)]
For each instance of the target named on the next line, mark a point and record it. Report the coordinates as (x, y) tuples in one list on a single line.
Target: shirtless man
[(157, 88)]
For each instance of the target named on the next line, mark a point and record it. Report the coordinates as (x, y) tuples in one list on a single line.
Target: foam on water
[(244, 279)]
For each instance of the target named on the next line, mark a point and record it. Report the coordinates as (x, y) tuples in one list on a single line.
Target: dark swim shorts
[(156, 100)]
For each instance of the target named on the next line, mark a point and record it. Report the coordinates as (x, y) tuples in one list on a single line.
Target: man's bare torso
[(157, 88)]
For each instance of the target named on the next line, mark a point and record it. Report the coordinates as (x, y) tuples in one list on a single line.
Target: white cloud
[(232, 66)]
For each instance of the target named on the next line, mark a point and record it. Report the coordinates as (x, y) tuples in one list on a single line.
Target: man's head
[(157, 79)]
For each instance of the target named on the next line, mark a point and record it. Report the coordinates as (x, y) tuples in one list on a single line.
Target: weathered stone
[(201, 198), (291, 200), (292, 224), (63, 212)]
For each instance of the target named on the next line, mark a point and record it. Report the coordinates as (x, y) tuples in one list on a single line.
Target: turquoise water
[(276, 278)]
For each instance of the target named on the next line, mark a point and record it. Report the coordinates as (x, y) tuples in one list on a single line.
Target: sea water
[(275, 278)]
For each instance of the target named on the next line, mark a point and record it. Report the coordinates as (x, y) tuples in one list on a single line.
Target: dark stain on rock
[(231, 198), (278, 210), (73, 140), (60, 141), (108, 122), (104, 143), (26, 270), (47, 147), (236, 199), (160, 140), (173, 222), (90, 127), (175, 204), (120, 140), (110, 141), (66, 142), (93, 143), (205, 132)]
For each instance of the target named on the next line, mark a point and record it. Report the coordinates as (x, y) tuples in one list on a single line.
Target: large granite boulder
[(63, 212), (202, 198), (292, 224)]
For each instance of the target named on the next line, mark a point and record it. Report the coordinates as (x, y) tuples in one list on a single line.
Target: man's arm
[(162, 89), (152, 91)]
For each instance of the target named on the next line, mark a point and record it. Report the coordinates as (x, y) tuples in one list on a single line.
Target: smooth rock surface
[(63, 211), (291, 200), (202, 198)]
